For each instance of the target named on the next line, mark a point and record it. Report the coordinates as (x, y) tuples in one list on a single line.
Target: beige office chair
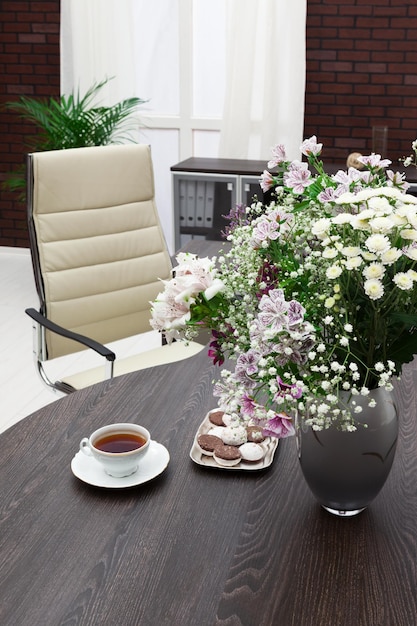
[(98, 251)]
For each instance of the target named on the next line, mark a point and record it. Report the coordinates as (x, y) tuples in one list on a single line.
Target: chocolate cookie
[(216, 417), (208, 443), (227, 455)]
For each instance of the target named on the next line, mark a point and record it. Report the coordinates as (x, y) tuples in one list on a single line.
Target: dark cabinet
[(205, 190)]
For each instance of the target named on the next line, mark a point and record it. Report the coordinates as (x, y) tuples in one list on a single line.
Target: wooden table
[(195, 546)]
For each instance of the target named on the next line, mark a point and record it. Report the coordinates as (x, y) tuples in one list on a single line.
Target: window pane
[(156, 55), (206, 143), (209, 57)]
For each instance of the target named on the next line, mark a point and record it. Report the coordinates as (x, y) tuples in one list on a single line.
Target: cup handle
[(85, 446)]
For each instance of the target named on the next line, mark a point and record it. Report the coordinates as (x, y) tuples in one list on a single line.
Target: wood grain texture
[(195, 546)]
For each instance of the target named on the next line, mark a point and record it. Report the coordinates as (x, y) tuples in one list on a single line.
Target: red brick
[(363, 9), (402, 68), (372, 22), (337, 66), (354, 55), (389, 34), (373, 44), (45, 28), (371, 68), (31, 38), (31, 17), (355, 33)]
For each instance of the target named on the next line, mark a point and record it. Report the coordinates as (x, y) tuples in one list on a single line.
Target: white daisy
[(377, 243), (374, 289), (403, 281), (374, 270), (333, 272)]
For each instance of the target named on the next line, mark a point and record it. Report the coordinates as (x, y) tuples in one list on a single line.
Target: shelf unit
[(204, 191)]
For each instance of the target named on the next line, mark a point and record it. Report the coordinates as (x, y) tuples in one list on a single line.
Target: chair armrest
[(86, 341)]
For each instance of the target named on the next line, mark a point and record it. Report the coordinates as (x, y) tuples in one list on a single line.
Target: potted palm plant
[(72, 121)]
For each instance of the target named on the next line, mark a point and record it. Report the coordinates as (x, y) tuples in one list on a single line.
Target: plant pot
[(346, 470)]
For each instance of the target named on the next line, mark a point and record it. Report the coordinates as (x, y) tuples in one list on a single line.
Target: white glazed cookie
[(217, 431), (234, 435), (251, 452), (229, 420)]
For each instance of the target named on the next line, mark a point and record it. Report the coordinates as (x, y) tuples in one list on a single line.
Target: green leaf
[(408, 319), (404, 348), (72, 122)]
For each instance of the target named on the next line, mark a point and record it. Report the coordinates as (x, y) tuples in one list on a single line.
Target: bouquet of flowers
[(313, 300)]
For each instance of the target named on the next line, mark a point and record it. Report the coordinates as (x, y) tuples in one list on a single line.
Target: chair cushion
[(100, 242)]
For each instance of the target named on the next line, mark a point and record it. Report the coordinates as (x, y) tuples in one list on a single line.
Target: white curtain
[(223, 77), (265, 84), (97, 42)]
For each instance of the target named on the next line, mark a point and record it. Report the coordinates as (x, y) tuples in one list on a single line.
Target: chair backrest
[(97, 244)]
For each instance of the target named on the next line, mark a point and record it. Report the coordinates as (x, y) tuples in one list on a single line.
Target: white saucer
[(90, 471)]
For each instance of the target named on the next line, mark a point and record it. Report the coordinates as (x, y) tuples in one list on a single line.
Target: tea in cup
[(118, 447)]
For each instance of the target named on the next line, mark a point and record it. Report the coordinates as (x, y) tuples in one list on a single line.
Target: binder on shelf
[(200, 202), (191, 200), (209, 205), (182, 194)]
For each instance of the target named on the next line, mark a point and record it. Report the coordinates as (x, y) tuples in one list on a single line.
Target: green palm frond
[(73, 122)]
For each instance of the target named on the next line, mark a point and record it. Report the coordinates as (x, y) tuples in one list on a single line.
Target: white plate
[(90, 471), (270, 444)]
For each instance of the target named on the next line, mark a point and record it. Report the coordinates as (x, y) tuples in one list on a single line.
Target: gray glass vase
[(345, 471)]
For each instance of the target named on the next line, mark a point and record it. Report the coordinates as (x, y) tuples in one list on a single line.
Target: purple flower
[(248, 405), (215, 351), (295, 312), (269, 275), (248, 362), (374, 160), (273, 310), (236, 217), (280, 426), (284, 389), (266, 181), (298, 177), (311, 147), (278, 155), (397, 179), (264, 231)]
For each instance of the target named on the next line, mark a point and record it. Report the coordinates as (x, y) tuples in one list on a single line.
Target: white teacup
[(118, 447)]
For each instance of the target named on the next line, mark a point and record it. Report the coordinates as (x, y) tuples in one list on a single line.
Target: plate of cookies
[(222, 443)]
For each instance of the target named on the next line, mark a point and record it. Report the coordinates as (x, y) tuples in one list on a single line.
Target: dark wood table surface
[(195, 546)]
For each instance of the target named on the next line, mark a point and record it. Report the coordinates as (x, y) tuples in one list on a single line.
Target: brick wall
[(361, 72), (29, 65)]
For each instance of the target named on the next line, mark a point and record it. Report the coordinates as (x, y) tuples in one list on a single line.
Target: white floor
[(21, 390)]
